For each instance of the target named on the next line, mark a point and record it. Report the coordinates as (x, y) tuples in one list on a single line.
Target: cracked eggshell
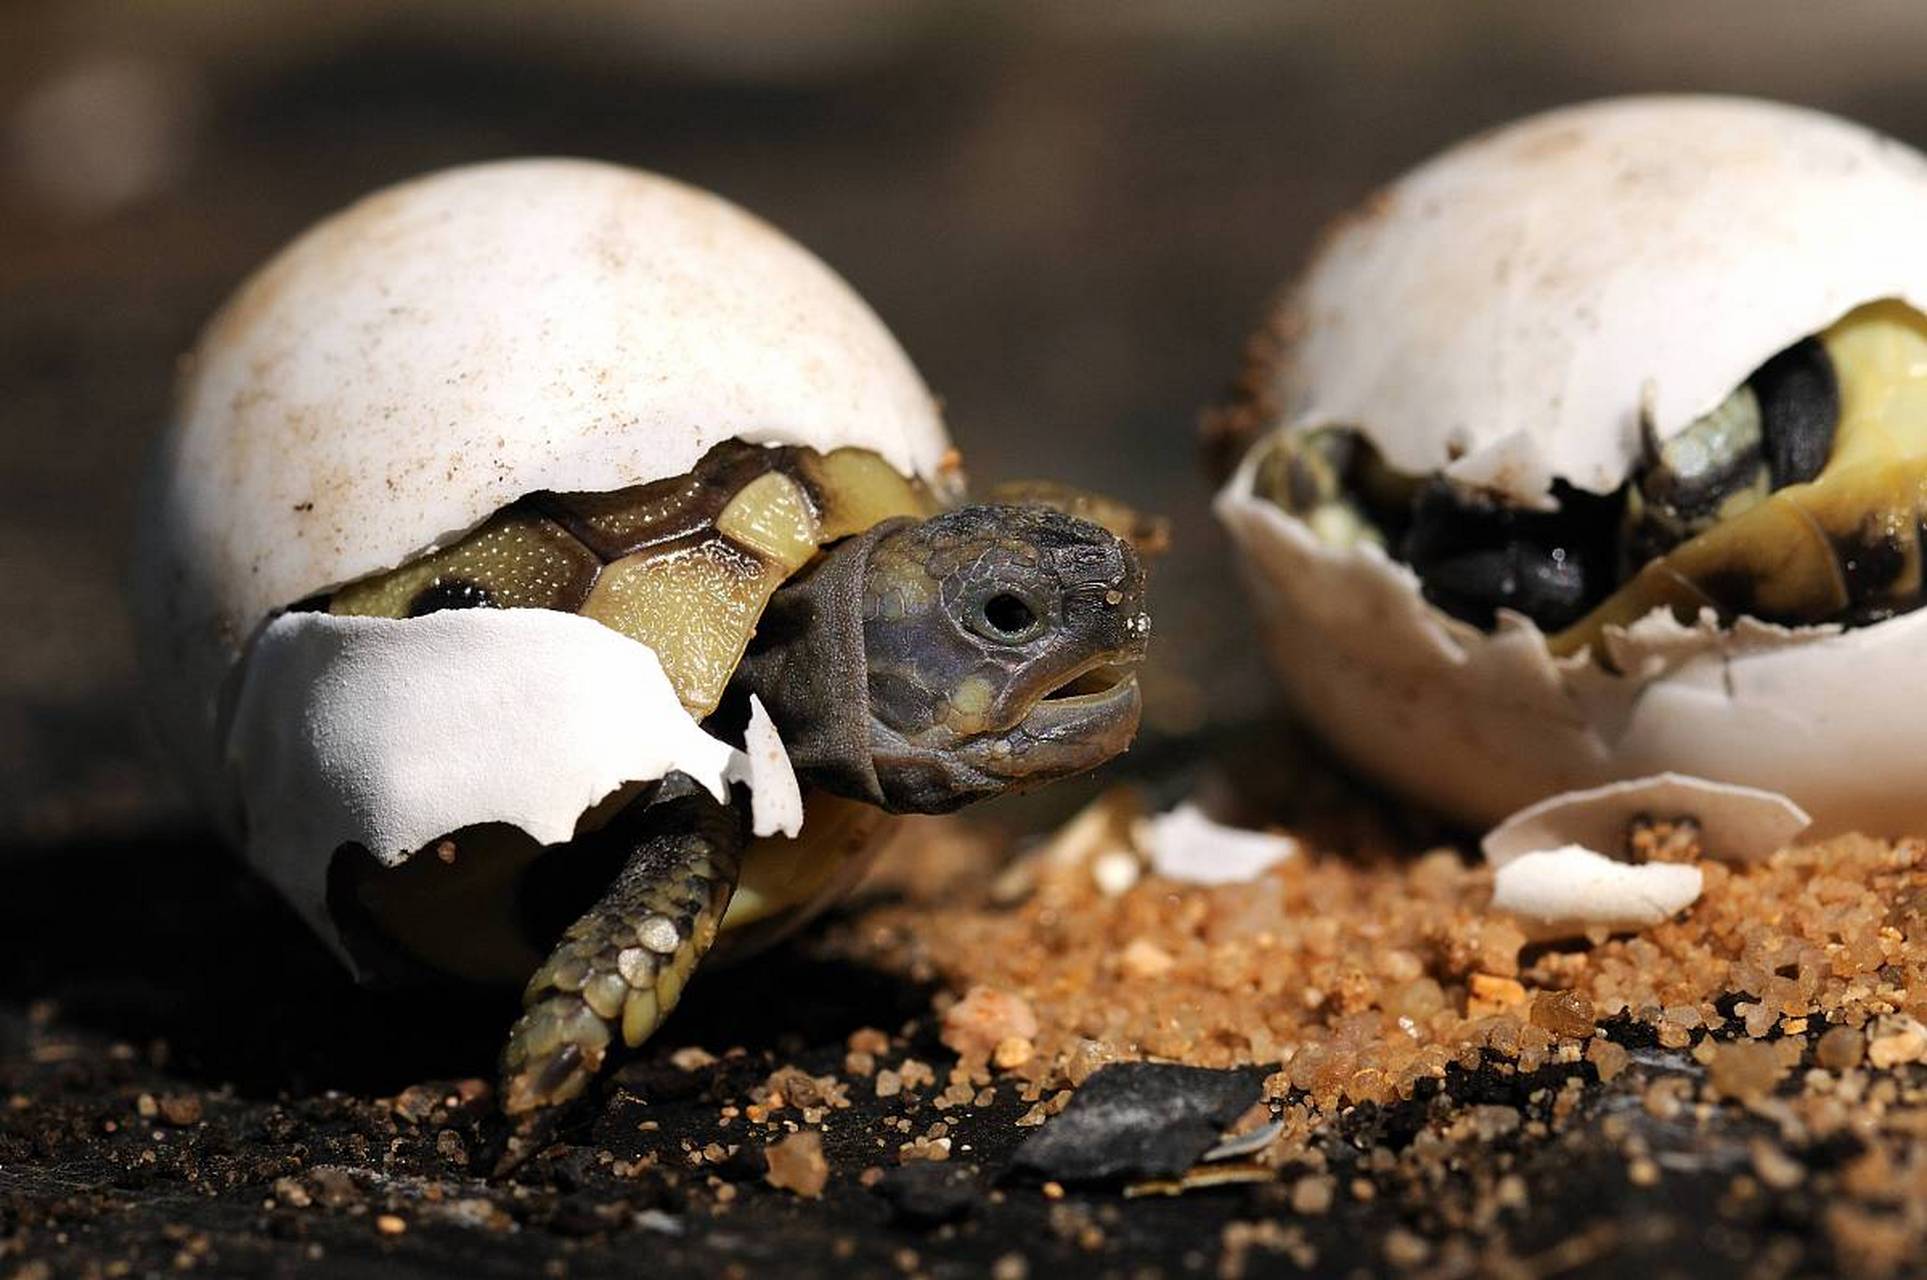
[(443, 347), (1504, 312), (393, 377)]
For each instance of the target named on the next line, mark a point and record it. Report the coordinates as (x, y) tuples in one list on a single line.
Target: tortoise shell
[(683, 565), (1843, 547)]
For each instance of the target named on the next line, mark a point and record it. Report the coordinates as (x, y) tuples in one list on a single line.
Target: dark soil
[(192, 1085)]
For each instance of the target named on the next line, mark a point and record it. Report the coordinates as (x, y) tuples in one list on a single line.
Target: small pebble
[(796, 1164), (1744, 1070), (1840, 1049), (986, 1016), (1896, 1040), (1311, 1195), (1491, 994), (1775, 1168), (1115, 872), (181, 1109), (1564, 1013), (1607, 1058), (1012, 1052)]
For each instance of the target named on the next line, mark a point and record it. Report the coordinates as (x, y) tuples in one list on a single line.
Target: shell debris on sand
[(1187, 845), (1552, 873), (1369, 972), (1375, 974), (1559, 892)]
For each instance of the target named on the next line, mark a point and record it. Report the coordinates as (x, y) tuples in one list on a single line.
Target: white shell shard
[(763, 765), (391, 734), (1480, 726), (1542, 283), (1739, 824), (1185, 845), (1506, 313), (444, 347), (1558, 892)]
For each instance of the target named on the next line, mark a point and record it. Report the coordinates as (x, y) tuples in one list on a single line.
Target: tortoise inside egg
[(1593, 448), (1798, 500)]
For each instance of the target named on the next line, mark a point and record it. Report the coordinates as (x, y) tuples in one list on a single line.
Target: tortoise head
[(927, 664), (1001, 643)]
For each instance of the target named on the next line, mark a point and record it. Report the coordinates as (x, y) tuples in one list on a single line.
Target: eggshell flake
[(1740, 824), (390, 734), (1479, 726), (1188, 846), (1506, 313), (1564, 891), (446, 346), (1509, 307), (763, 765)]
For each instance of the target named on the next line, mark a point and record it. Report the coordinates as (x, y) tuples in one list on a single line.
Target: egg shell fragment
[(390, 734), (1188, 846), (1506, 313), (763, 766), (446, 346), (1738, 824), (1565, 891)]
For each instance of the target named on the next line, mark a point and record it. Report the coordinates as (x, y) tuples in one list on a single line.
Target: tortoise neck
[(809, 667)]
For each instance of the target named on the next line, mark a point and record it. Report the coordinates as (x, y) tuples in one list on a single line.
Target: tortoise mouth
[(1093, 684), (1092, 712)]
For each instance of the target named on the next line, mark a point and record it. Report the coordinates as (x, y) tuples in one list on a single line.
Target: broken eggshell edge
[(446, 346), (1736, 824), (391, 734), (1481, 725), (1505, 312)]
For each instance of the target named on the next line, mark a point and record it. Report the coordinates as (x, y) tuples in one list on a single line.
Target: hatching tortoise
[(1799, 500), (914, 659)]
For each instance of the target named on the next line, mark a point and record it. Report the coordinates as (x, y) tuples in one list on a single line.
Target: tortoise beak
[(1088, 718)]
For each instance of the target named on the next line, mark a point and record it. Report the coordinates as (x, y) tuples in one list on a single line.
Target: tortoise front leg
[(621, 968)]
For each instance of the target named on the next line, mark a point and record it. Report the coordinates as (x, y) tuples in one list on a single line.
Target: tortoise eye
[(1007, 617)]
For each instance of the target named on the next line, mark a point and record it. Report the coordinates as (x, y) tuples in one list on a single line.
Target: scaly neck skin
[(807, 666), (926, 664)]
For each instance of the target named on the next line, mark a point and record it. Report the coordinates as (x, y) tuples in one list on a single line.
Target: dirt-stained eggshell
[(394, 376), (1505, 313)]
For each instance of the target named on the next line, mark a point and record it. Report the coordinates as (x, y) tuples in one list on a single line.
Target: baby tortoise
[(1799, 500), (913, 659)]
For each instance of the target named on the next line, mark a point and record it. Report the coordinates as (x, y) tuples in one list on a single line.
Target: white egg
[(1534, 305), (392, 378)]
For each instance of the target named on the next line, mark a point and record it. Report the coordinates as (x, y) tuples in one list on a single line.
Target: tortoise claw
[(619, 970)]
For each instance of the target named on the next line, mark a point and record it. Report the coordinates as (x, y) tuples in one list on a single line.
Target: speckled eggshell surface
[(417, 362), (1502, 314)]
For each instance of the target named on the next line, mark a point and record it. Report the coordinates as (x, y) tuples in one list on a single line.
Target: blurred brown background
[(1069, 213)]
